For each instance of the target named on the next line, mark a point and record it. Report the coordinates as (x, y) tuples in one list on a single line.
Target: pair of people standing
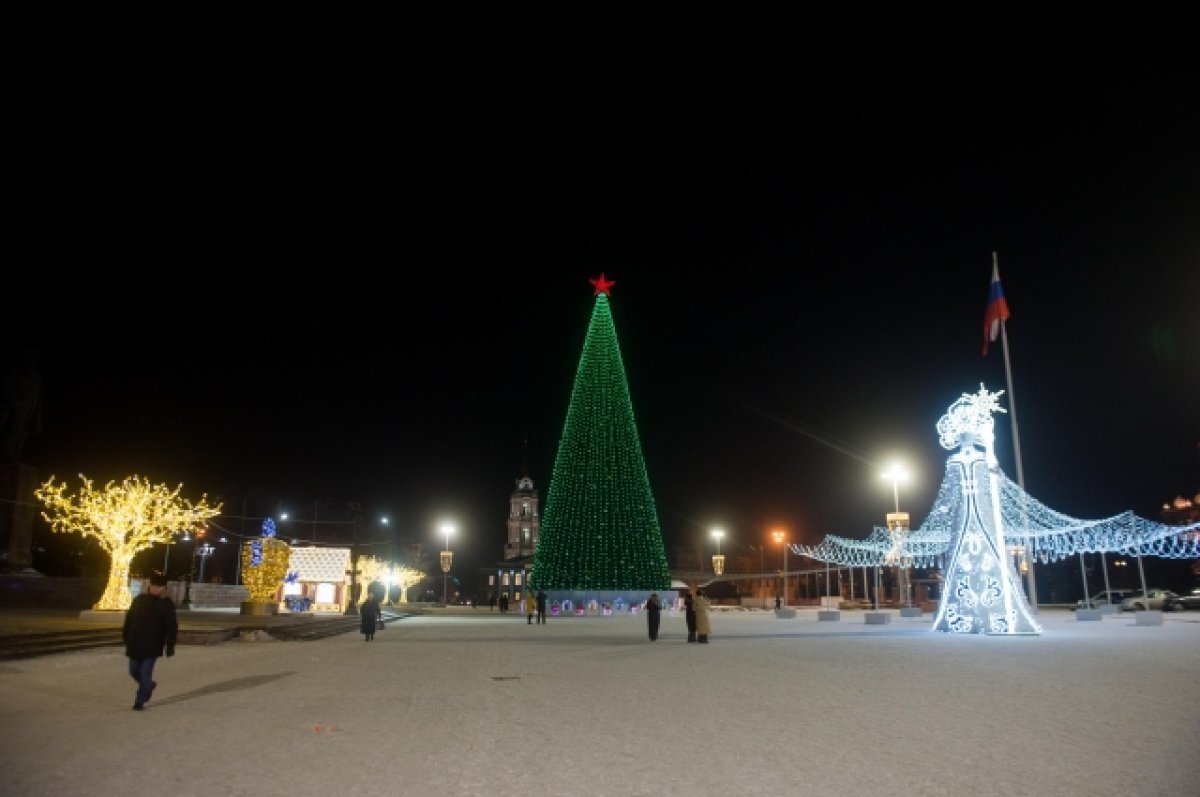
[(696, 615)]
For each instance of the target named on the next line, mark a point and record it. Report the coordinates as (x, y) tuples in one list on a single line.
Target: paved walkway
[(479, 703), (19, 620)]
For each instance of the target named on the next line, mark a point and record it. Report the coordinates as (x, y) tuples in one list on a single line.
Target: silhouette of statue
[(21, 412)]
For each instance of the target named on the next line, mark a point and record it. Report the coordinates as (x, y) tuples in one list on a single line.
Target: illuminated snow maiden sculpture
[(981, 592), (978, 516)]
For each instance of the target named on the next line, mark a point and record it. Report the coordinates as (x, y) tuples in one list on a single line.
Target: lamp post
[(762, 568), (447, 559), (167, 556), (780, 536), (718, 560), (204, 551), (896, 473), (897, 523), (352, 603), (186, 603)]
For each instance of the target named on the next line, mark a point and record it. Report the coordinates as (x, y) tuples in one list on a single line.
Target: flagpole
[(1031, 582)]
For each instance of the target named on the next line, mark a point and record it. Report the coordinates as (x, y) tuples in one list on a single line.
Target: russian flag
[(997, 310)]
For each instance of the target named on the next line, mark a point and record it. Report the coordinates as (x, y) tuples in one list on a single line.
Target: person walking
[(541, 607), (150, 629), (702, 626), (689, 615), (653, 615), (369, 614), (530, 607)]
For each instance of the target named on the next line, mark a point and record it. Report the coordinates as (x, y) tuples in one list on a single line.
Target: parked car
[(1190, 600), (1101, 598), (1153, 599)]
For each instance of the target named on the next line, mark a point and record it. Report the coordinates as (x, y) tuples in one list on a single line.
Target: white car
[(1153, 599), (1113, 596), (1189, 601)]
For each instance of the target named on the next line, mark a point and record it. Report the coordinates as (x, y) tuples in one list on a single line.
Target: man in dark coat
[(369, 614), (150, 629), (541, 607), (653, 615), (689, 615)]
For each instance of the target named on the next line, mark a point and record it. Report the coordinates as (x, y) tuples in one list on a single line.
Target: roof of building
[(319, 564)]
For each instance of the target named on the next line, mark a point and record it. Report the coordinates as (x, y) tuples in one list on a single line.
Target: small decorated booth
[(316, 581)]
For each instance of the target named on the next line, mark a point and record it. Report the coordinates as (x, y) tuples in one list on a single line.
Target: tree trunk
[(116, 595)]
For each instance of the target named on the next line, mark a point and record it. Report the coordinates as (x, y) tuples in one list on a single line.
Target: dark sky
[(243, 291)]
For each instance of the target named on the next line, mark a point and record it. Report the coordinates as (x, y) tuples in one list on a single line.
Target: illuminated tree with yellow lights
[(124, 518), (404, 578), (370, 569)]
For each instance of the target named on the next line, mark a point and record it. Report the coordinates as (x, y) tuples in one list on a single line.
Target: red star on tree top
[(602, 285)]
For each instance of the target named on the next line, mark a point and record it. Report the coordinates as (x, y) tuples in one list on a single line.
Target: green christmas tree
[(600, 528)]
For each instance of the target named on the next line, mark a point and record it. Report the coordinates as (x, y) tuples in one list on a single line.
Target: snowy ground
[(484, 704)]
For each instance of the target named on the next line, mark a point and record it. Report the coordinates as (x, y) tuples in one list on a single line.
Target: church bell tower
[(523, 520)]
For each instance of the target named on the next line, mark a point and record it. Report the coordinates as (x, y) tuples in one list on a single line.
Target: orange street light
[(780, 536)]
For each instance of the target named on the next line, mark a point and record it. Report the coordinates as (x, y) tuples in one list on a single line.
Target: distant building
[(509, 577), (1182, 511), (523, 520), (320, 585)]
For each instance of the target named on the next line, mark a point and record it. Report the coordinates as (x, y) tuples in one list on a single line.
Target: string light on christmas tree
[(599, 529)]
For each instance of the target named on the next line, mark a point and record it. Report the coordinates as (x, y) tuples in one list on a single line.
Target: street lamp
[(896, 473), (718, 560), (780, 536), (447, 559), (186, 603), (167, 557), (897, 523), (761, 569), (204, 551)]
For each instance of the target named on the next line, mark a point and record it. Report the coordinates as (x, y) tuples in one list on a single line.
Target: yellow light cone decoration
[(263, 580), (124, 518)]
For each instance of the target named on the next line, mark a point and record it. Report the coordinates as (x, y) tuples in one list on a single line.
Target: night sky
[(324, 303)]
